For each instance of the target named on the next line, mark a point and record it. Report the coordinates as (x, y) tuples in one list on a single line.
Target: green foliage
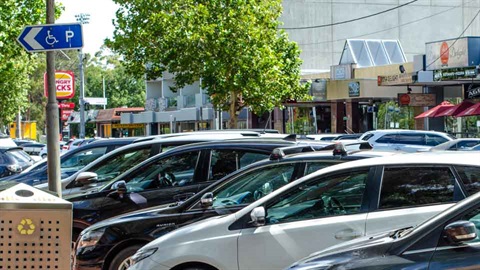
[(234, 46), (15, 62), (395, 114)]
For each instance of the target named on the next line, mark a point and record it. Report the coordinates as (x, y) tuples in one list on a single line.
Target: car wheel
[(123, 260), (44, 156)]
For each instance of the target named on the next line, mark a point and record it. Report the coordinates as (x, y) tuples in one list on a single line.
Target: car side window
[(223, 162), (253, 185), (84, 157), (410, 138), (433, 140), (119, 163), (176, 170), (315, 166), (470, 177), (415, 186), (387, 138), (463, 145), (339, 194)]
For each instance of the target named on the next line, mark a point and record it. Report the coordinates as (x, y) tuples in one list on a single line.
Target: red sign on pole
[(66, 114), (66, 105), (64, 84)]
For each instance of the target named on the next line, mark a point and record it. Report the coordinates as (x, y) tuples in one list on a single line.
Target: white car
[(405, 140), (330, 206)]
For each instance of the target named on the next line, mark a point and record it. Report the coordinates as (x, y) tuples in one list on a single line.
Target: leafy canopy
[(233, 46)]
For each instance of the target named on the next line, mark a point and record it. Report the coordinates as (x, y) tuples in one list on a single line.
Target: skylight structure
[(372, 52)]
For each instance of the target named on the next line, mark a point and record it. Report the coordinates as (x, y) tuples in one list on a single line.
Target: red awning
[(472, 110), (453, 111), (435, 110)]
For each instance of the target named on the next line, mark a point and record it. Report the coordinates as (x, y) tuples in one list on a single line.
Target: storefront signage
[(341, 72), (420, 100), (318, 90), (402, 78), (64, 84), (65, 114), (447, 54), (354, 89), (472, 91), (454, 74), (128, 125)]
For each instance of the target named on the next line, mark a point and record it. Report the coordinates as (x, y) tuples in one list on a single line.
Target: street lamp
[(82, 18)]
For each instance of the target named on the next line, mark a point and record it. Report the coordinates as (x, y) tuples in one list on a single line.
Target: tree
[(15, 62), (233, 46)]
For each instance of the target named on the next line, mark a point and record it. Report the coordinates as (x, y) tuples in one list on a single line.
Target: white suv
[(404, 139), (328, 207)]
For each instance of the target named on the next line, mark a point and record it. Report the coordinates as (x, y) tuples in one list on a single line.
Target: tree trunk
[(232, 123)]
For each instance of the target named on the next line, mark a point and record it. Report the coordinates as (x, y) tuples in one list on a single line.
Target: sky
[(100, 26)]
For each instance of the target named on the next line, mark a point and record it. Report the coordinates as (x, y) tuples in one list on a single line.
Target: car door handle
[(347, 234)]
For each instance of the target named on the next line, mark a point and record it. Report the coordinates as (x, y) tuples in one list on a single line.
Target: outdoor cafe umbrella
[(470, 111), (435, 110), (453, 111)]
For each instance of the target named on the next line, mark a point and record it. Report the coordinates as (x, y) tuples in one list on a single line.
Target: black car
[(13, 160), (109, 244), (71, 161), (449, 240), (174, 175)]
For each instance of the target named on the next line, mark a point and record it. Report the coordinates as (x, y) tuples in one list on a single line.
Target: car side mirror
[(120, 186), (460, 231), (119, 189), (258, 216), (85, 178), (206, 200)]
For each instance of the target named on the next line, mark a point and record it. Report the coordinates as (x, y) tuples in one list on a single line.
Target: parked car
[(13, 160), (32, 148), (333, 205), (324, 136), (109, 244), (447, 241), (405, 140), (101, 171), (174, 175), (43, 151), (344, 137), (6, 141), (457, 144), (70, 162)]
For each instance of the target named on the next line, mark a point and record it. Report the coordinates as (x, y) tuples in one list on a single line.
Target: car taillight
[(14, 168)]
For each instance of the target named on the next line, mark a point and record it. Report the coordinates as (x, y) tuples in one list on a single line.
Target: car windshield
[(253, 185), (111, 167), (19, 156)]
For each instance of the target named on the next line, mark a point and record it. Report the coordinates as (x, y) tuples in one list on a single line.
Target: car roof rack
[(281, 152)]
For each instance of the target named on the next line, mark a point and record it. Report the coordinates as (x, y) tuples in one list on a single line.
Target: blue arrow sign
[(51, 37)]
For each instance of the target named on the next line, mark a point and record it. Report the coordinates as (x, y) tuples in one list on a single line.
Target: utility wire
[(348, 21), (384, 30), (455, 41)]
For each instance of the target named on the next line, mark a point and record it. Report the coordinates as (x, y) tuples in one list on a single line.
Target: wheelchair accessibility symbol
[(50, 39)]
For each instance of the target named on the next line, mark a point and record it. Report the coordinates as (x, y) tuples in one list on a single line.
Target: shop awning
[(471, 111), (453, 111), (433, 112)]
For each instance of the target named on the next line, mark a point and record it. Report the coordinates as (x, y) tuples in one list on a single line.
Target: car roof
[(440, 158)]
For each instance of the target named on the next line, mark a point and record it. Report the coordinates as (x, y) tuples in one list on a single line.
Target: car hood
[(363, 247), (153, 212)]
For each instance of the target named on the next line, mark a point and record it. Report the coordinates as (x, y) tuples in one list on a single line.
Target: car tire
[(122, 260), (44, 156)]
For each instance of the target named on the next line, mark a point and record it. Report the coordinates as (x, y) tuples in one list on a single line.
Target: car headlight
[(90, 238), (143, 254)]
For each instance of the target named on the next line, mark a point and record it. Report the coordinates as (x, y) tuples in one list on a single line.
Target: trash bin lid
[(22, 196)]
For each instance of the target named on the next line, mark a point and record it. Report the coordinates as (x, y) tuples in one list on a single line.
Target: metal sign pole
[(53, 148), (82, 97)]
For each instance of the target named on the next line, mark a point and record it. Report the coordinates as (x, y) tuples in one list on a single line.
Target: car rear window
[(408, 186)]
